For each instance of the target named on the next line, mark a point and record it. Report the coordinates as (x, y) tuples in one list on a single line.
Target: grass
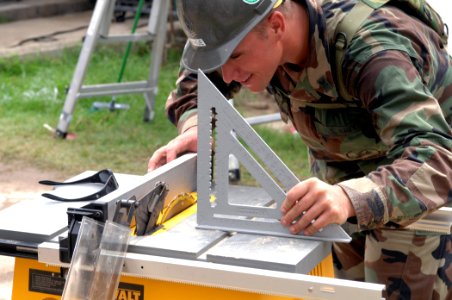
[(33, 91)]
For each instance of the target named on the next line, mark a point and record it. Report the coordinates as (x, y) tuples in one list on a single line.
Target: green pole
[(129, 44)]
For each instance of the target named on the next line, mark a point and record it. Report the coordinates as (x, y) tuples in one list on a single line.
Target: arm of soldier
[(409, 119), (181, 109), (183, 143)]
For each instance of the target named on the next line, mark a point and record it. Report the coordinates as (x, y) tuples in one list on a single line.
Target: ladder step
[(127, 38), (111, 89)]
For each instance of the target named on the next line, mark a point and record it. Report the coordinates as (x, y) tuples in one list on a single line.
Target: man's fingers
[(293, 195), (170, 152), (306, 219), (171, 155), (185, 142), (316, 225), (173, 149), (157, 159), (295, 212)]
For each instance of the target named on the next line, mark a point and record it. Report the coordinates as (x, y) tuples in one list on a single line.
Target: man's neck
[(296, 39)]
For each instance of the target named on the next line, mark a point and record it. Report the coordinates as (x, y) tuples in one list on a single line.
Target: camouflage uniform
[(390, 150)]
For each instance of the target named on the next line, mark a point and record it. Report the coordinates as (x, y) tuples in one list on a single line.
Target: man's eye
[(235, 56)]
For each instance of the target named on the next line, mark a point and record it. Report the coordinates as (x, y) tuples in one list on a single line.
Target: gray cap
[(215, 27)]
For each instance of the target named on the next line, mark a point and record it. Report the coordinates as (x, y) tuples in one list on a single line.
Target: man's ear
[(277, 22)]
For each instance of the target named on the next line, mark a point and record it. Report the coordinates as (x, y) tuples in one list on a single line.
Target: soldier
[(376, 119)]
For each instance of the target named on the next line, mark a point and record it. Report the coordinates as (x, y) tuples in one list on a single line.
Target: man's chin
[(255, 89)]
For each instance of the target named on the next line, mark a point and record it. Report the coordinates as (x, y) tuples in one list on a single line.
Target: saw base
[(36, 281)]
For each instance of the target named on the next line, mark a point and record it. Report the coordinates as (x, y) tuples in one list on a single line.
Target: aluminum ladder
[(98, 31)]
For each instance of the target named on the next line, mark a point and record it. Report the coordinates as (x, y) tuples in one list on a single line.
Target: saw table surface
[(42, 220), (185, 240)]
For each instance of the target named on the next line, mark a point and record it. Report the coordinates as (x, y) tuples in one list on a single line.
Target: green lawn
[(33, 91)]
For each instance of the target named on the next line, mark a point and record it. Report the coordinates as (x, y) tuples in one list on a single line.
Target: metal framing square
[(221, 213)]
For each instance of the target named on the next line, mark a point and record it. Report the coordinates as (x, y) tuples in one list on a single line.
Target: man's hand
[(185, 142), (313, 204)]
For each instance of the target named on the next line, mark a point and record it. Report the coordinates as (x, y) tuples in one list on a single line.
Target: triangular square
[(224, 140)]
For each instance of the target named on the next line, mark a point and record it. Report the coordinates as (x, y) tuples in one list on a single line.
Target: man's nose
[(228, 71)]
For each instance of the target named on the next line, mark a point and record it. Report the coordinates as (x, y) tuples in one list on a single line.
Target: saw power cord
[(47, 37), (52, 36)]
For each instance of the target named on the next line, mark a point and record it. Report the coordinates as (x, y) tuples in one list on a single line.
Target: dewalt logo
[(128, 291)]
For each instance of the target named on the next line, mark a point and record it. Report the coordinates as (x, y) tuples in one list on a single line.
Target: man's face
[(254, 61)]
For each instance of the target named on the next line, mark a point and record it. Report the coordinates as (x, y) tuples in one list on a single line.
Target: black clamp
[(104, 177)]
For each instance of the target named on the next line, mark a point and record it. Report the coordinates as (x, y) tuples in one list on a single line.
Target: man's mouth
[(246, 81)]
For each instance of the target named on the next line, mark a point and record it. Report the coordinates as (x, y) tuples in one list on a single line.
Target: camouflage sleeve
[(409, 94), (181, 105)]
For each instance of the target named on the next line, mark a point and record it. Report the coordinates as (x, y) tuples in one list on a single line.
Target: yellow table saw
[(179, 260)]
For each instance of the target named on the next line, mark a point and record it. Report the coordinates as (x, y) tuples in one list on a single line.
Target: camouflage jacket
[(391, 150)]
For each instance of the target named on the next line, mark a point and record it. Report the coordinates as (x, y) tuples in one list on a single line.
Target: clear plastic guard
[(97, 261)]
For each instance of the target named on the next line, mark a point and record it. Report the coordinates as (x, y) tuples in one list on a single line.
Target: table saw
[(179, 260)]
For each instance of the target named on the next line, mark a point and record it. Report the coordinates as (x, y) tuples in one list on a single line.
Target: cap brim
[(194, 58)]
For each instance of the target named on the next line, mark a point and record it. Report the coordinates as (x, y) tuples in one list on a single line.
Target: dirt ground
[(18, 181)]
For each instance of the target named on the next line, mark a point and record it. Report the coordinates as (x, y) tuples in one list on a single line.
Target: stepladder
[(99, 32)]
